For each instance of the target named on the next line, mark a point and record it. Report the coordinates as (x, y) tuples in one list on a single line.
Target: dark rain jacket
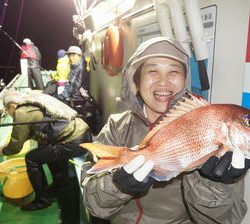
[(75, 82)]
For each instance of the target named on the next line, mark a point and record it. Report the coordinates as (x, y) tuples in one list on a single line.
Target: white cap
[(155, 47), (27, 41), (74, 50)]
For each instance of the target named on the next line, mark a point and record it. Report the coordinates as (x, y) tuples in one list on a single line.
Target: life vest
[(62, 68), (113, 50), (53, 107)]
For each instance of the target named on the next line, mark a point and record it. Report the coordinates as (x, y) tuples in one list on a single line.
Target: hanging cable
[(5, 5), (15, 37)]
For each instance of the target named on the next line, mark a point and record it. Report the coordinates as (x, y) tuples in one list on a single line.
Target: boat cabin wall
[(229, 50), (106, 88), (225, 28)]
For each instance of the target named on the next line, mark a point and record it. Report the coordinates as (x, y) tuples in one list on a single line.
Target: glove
[(228, 169), (133, 178)]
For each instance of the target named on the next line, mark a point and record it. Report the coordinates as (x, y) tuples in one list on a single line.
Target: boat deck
[(11, 213)]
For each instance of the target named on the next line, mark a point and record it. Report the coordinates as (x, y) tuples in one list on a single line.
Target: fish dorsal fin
[(184, 105)]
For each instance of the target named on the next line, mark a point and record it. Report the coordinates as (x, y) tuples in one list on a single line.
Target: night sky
[(48, 23)]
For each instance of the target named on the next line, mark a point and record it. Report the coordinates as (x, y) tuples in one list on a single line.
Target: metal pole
[(93, 4), (125, 17), (76, 7), (6, 34)]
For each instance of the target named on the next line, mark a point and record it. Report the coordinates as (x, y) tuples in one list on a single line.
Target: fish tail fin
[(109, 156)]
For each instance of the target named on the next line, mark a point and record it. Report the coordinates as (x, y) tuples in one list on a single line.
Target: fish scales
[(175, 140)]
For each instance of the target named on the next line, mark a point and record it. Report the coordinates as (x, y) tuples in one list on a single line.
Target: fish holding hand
[(188, 135)]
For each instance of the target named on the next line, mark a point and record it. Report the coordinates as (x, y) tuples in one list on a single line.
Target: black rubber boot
[(39, 183), (68, 199), (35, 205)]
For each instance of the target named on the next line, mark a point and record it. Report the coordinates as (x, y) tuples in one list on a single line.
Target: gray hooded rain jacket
[(188, 198)]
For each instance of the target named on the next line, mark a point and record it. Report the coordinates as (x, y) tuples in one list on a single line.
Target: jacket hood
[(155, 47), (52, 106)]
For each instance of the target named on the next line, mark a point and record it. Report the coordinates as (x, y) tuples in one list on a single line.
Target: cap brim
[(72, 52)]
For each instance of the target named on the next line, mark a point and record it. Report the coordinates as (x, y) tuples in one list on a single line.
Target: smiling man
[(155, 78)]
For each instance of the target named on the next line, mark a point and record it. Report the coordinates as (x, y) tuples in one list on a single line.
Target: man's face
[(74, 58), (160, 80)]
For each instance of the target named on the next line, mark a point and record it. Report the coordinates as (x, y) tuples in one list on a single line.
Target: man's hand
[(227, 169), (133, 178)]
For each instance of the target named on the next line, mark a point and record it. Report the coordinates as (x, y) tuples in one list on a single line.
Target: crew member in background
[(75, 92), (62, 67), (59, 78), (155, 74), (58, 142), (75, 88), (31, 53)]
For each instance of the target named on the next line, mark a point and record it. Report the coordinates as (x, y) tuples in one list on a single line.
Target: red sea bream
[(187, 136)]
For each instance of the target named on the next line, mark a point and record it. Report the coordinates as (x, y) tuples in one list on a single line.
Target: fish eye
[(246, 120)]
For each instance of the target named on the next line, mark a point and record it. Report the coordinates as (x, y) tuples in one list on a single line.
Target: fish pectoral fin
[(222, 149), (161, 175), (104, 165)]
